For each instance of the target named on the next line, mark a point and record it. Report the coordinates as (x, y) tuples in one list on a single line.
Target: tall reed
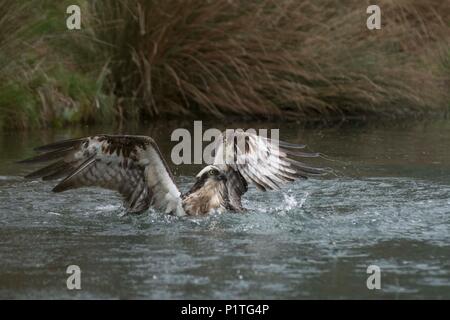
[(292, 59), (303, 60)]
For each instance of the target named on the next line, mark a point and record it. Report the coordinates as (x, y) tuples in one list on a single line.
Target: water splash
[(108, 207), (291, 203)]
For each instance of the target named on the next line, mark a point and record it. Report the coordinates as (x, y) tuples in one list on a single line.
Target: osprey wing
[(266, 163), (131, 165)]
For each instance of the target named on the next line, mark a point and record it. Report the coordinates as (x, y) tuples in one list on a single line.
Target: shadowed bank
[(298, 60)]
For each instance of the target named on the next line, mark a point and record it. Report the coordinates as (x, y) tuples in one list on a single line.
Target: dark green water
[(388, 205)]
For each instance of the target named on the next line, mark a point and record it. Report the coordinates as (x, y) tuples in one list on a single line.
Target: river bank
[(306, 61)]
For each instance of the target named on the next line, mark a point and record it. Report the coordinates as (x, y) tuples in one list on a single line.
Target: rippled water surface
[(387, 205)]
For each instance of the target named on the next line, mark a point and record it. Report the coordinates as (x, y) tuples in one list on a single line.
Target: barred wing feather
[(131, 165), (268, 164)]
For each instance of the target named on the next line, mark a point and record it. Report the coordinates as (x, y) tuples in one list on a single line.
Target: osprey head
[(211, 172), (209, 192)]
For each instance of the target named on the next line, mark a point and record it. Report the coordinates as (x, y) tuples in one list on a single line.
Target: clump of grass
[(293, 59), (16, 100), (302, 60), (40, 85)]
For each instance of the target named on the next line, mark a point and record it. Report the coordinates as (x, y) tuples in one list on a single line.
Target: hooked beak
[(222, 177)]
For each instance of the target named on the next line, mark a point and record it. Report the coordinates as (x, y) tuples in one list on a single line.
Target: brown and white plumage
[(131, 165), (208, 193), (134, 166), (268, 164)]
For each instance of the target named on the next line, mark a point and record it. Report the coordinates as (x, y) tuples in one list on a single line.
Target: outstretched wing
[(268, 164), (131, 165)]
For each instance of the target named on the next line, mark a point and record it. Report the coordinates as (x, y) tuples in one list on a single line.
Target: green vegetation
[(300, 60)]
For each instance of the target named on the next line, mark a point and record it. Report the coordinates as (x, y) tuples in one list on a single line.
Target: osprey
[(134, 166)]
